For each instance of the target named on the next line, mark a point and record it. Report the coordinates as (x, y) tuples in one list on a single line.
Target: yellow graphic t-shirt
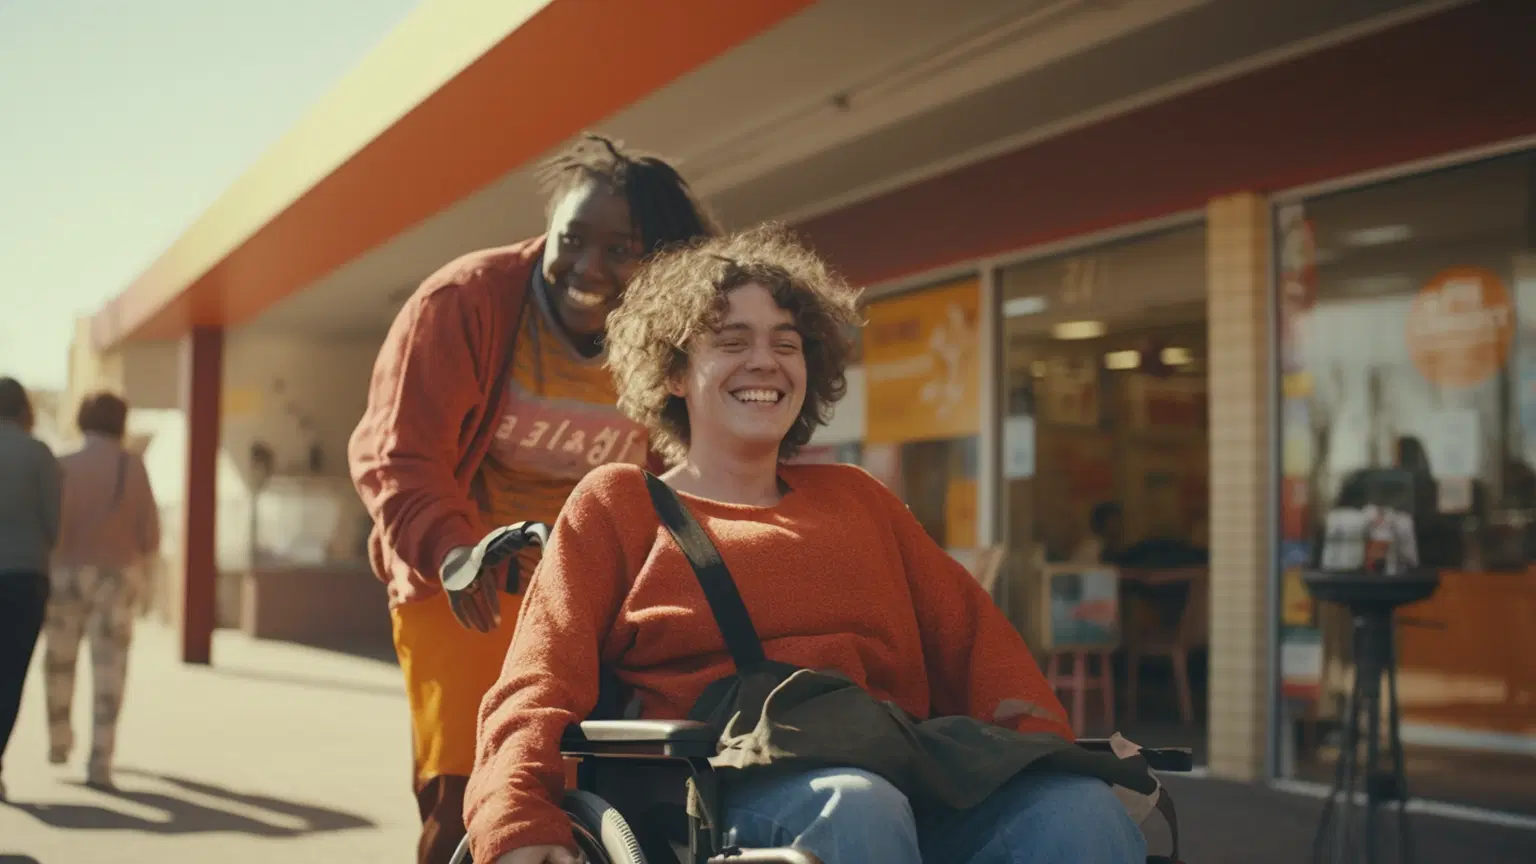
[(559, 421)]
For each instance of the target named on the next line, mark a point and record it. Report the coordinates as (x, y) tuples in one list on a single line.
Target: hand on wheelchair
[(541, 855), (469, 574), (472, 591)]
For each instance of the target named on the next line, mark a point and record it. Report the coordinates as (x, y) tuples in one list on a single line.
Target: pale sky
[(120, 122)]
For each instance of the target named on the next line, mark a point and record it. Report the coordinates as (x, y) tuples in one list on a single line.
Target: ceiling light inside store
[(1018, 307), (1378, 285), (1172, 356), (1380, 235), (1122, 359), (1078, 330)]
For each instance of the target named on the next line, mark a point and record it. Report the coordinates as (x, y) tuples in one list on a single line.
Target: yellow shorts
[(448, 668)]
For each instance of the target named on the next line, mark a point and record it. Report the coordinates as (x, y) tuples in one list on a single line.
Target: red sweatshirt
[(419, 443), (839, 575), (424, 436)]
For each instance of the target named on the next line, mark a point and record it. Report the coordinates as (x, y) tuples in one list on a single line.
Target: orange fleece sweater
[(839, 575)]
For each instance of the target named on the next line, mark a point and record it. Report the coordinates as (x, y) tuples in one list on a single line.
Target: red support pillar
[(202, 379)]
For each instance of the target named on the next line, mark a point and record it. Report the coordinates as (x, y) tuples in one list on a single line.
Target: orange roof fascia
[(461, 93)]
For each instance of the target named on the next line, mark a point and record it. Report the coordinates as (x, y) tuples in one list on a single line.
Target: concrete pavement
[(276, 753), (287, 754)]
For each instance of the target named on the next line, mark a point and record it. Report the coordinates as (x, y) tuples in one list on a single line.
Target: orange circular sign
[(1460, 327)]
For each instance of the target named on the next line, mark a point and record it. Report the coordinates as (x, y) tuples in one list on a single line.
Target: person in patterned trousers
[(110, 527)]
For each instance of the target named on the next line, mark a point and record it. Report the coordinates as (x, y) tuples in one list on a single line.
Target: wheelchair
[(629, 804)]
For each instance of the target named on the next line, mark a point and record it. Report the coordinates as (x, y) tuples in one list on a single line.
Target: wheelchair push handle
[(494, 548), (507, 540)]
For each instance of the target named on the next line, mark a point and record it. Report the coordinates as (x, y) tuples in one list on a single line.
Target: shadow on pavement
[(1221, 820), (183, 816), (377, 650), (329, 684)]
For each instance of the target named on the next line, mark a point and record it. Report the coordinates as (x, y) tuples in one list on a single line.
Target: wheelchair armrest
[(1169, 760), (765, 856), (677, 739)]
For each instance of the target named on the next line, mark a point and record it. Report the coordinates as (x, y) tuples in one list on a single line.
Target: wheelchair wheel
[(601, 833)]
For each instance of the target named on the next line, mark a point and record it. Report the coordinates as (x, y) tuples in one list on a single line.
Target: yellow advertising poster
[(1297, 385), (241, 402), (960, 514), (922, 365), (1295, 599), (1297, 439)]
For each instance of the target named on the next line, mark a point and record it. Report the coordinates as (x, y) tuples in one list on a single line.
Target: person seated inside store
[(1106, 544), (1106, 538), (1438, 536)]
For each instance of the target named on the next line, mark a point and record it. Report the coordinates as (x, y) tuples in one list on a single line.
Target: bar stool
[(1372, 600), (1079, 682), (1078, 617)]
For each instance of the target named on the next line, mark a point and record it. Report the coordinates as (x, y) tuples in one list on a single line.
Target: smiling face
[(591, 253), (745, 381)]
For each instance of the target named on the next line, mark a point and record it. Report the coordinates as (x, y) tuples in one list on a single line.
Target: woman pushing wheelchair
[(731, 352), (488, 402)]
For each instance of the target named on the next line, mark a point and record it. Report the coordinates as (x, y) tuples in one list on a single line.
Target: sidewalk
[(1241, 823), (279, 753), (276, 753)]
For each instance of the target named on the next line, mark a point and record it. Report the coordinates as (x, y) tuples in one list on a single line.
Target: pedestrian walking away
[(29, 529), (110, 532)]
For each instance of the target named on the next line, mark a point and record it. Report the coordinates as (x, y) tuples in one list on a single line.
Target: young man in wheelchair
[(731, 352)]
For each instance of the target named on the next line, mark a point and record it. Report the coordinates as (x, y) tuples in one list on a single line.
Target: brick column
[(202, 379), (1241, 336)]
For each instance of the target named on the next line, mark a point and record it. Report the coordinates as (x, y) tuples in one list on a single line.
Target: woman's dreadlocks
[(661, 206)]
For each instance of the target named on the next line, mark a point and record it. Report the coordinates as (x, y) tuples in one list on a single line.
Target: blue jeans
[(847, 816)]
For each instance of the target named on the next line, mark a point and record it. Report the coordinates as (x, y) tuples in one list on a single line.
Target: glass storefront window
[(1105, 450), (937, 480), (1407, 316), (922, 391), (841, 439)]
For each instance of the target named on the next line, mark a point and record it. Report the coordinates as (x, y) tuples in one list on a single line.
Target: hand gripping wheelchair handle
[(496, 547)]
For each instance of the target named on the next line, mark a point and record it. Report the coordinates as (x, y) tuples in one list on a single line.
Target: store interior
[(1105, 370), (1386, 366)]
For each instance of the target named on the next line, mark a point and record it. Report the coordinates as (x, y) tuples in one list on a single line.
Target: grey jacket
[(29, 501)]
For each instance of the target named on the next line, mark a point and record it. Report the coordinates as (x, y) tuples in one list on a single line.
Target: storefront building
[(1398, 306), (1169, 366), (1162, 334)]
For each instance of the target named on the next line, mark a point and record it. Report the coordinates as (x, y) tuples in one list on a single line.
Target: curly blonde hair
[(680, 294)]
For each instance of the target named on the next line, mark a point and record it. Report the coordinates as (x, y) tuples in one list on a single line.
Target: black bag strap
[(719, 588), (1171, 815), (488, 423), (498, 389), (117, 493), (117, 487)]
